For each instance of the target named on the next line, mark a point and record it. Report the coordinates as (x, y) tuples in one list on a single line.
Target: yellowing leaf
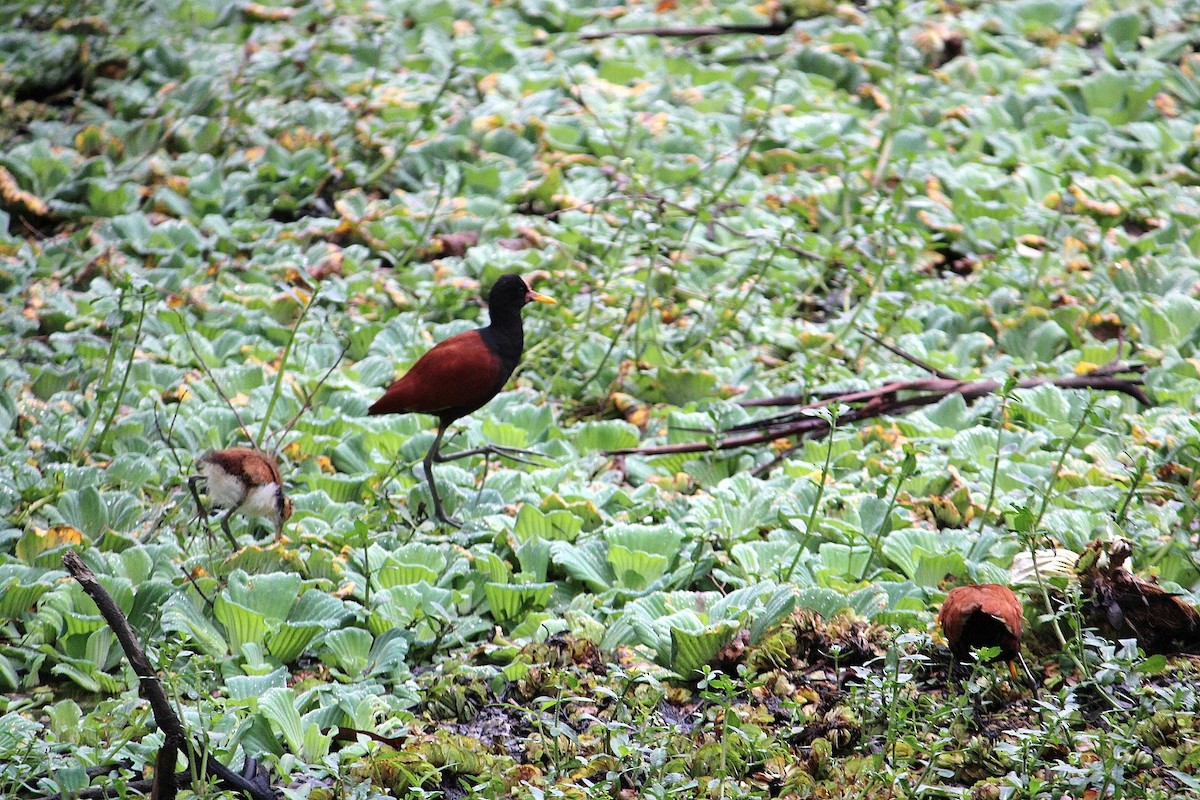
[(38, 541), (14, 196)]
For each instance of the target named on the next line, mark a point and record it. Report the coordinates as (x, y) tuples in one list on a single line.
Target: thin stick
[(105, 792), (1097, 379), (909, 357), (166, 436), (308, 401), (213, 379), (396, 155), (725, 226), (196, 586)]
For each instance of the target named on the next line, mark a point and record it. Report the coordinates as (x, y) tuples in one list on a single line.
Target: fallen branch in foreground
[(885, 400), (254, 785)]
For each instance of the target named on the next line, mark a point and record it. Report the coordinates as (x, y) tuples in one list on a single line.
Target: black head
[(510, 293)]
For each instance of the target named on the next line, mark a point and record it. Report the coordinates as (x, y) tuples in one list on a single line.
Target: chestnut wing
[(1000, 623), (456, 377), (957, 608), (1000, 602), (252, 465)]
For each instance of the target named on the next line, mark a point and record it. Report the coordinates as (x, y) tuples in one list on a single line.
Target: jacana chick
[(983, 615), (243, 480), (462, 373)]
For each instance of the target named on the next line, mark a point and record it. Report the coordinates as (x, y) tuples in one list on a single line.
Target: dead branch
[(166, 781), (168, 722), (884, 400), (691, 31), (1093, 380)]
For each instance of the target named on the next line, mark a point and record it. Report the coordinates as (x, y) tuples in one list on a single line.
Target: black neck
[(505, 337)]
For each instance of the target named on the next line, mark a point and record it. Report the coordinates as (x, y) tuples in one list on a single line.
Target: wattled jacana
[(462, 373), (245, 480), (983, 615)]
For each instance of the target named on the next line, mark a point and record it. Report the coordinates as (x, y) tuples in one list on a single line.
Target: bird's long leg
[(1033, 682), (430, 457), (225, 526), (201, 511), (514, 453)]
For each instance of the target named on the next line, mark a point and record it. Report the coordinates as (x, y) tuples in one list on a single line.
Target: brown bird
[(242, 480), (983, 615), (1123, 605), (462, 373)]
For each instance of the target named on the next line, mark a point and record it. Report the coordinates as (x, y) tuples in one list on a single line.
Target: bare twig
[(909, 357), (1097, 379), (192, 580), (281, 373), (151, 688), (783, 455), (166, 437), (291, 423), (213, 379)]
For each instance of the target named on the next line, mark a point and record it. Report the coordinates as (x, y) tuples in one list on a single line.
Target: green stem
[(987, 508), (569, 340), (1043, 591), (283, 361), (102, 392), (716, 196), (423, 237), (1062, 456), (812, 514), (734, 312), (1032, 532), (366, 545), (910, 466), (872, 283), (112, 415), (1133, 487)]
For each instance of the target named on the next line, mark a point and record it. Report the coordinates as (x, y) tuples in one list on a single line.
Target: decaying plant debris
[(1124, 605)]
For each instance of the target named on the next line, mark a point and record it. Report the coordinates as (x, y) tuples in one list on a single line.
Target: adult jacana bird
[(242, 480), (983, 615), (462, 373)]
